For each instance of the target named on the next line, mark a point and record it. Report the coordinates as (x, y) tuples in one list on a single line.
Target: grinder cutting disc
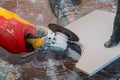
[(71, 36)]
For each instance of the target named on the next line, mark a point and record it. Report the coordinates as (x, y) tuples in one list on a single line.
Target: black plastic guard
[(56, 28)]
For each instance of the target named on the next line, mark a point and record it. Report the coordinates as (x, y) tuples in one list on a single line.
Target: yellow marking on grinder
[(8, 15), (36, 42)]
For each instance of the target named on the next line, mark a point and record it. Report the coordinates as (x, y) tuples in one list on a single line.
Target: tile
[(94, 30)]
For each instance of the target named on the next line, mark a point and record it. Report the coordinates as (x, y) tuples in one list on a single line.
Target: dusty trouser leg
[(115, 37), (66, 11)]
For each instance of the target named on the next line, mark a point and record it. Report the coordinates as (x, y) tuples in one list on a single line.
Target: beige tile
[(93, 30)]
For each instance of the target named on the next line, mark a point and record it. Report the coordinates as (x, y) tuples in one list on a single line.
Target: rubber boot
[(113, 41), (115, 38)]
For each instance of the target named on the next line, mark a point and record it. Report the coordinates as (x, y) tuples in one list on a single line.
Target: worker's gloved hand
[(41, 31)]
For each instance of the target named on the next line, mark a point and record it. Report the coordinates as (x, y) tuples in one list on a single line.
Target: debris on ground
[(8, 71), (38, 12)]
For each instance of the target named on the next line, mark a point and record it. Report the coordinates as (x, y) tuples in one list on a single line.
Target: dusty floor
[(38, 12)]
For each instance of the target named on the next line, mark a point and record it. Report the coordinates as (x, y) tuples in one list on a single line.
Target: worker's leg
[(115, 37), (66, 11)]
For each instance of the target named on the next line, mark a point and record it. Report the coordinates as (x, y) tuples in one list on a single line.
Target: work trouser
[(116, 25), (63, 8)]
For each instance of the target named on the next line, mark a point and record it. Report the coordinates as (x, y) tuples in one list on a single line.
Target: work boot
[(111, 43), (66, 11)]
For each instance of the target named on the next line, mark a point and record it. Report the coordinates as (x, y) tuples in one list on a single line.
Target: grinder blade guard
[(64, 39)]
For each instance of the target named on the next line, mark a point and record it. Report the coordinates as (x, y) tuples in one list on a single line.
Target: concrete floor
[(38, 12)]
